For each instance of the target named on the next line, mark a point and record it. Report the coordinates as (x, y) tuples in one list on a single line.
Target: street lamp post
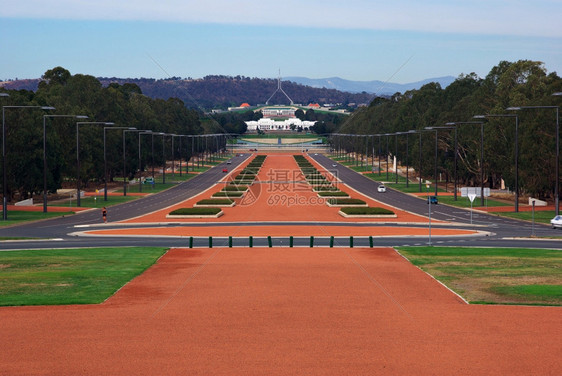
[(105, 158), (164, 156), (557, 163), (456, 152), (4, 164), (387, 154), (173, 154), (481, 123), (125, 160), (140, 164), (45, 152), (516, 205), (78, 124)]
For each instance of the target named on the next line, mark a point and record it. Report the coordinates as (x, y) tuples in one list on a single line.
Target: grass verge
[(70, 276), (494, 275), (19, 216)]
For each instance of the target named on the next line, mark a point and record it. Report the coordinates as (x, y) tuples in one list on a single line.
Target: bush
[(233, 194), (230, 188), (332, 193), (196, 211), (215, 201), (324, 188), (367, 211), (345, 201)]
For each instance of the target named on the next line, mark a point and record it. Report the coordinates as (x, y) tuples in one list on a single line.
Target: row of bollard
[(270, 242)]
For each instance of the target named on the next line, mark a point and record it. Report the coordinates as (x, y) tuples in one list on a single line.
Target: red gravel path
[(281, 311)]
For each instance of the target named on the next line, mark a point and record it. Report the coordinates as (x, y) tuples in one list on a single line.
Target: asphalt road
[(59, 232)]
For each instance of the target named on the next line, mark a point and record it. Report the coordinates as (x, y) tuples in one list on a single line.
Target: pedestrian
[(104, 214)]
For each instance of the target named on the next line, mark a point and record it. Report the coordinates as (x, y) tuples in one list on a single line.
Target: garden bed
[(366, 212), (195, 213), (213, 202), (346, 202)]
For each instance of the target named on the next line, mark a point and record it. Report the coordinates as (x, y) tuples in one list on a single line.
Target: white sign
[(471, 197), (465, 191)]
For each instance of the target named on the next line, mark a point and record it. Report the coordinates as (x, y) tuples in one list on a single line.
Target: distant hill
[(220, 92), (371, 87)]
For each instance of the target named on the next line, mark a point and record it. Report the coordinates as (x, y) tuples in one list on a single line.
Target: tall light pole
[(105, 159), (4, 164), (140, 164), (557, 173), (516, 207), (125, 160), (78, 124), (456, 152), (45, 152), (173, 155), (481, 123), (164, 156), (387, 154)]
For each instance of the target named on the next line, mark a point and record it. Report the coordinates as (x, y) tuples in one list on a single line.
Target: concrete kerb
[(86, 234)]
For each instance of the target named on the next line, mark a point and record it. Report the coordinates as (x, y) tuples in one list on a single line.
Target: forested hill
[(224, 91)]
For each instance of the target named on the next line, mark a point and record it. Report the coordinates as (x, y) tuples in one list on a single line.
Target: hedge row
[(346, 201), (366, 211), (196, 211), (215, 201), (234, 194)]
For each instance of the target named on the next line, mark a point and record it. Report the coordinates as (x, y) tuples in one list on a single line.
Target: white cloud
[(499, 17)]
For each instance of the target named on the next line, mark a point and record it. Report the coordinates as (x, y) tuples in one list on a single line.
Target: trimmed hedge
[(325, 188), (240, 188), (215, 201), (233, 194), (332, 193), (366, 211), (241, 182), (196, 211), (345, 201)]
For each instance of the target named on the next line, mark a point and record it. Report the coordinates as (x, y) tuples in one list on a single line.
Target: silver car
[(556, 221)]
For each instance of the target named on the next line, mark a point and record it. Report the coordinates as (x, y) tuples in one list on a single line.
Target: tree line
[(509, 84), (121, 104)]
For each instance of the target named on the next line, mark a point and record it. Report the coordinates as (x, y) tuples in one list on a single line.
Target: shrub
[(366, 211), (215, 201), (325, 187), (240, 188), (196, 211), (233, 194), (345, 201), (332, 193)]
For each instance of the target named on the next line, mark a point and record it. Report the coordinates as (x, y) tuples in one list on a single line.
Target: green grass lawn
[(17, 216), (98, 202), (540, 216), (464, 202), (494, 275), (70, 276)]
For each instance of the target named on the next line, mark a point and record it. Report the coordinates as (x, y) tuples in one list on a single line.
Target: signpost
[(471, 197)]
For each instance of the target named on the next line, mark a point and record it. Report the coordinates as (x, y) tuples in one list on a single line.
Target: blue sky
[(401, 41)]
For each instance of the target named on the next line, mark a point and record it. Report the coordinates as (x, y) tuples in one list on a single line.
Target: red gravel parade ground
[(281, 311)]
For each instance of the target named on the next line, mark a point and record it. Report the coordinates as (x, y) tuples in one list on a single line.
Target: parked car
[(433, 200), (381, 188), (556, 221)]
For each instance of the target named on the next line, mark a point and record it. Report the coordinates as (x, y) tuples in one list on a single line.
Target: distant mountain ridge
[(371, 87), (212, 92)]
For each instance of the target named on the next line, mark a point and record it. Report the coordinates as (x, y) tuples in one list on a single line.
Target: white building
[(268, 124)]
